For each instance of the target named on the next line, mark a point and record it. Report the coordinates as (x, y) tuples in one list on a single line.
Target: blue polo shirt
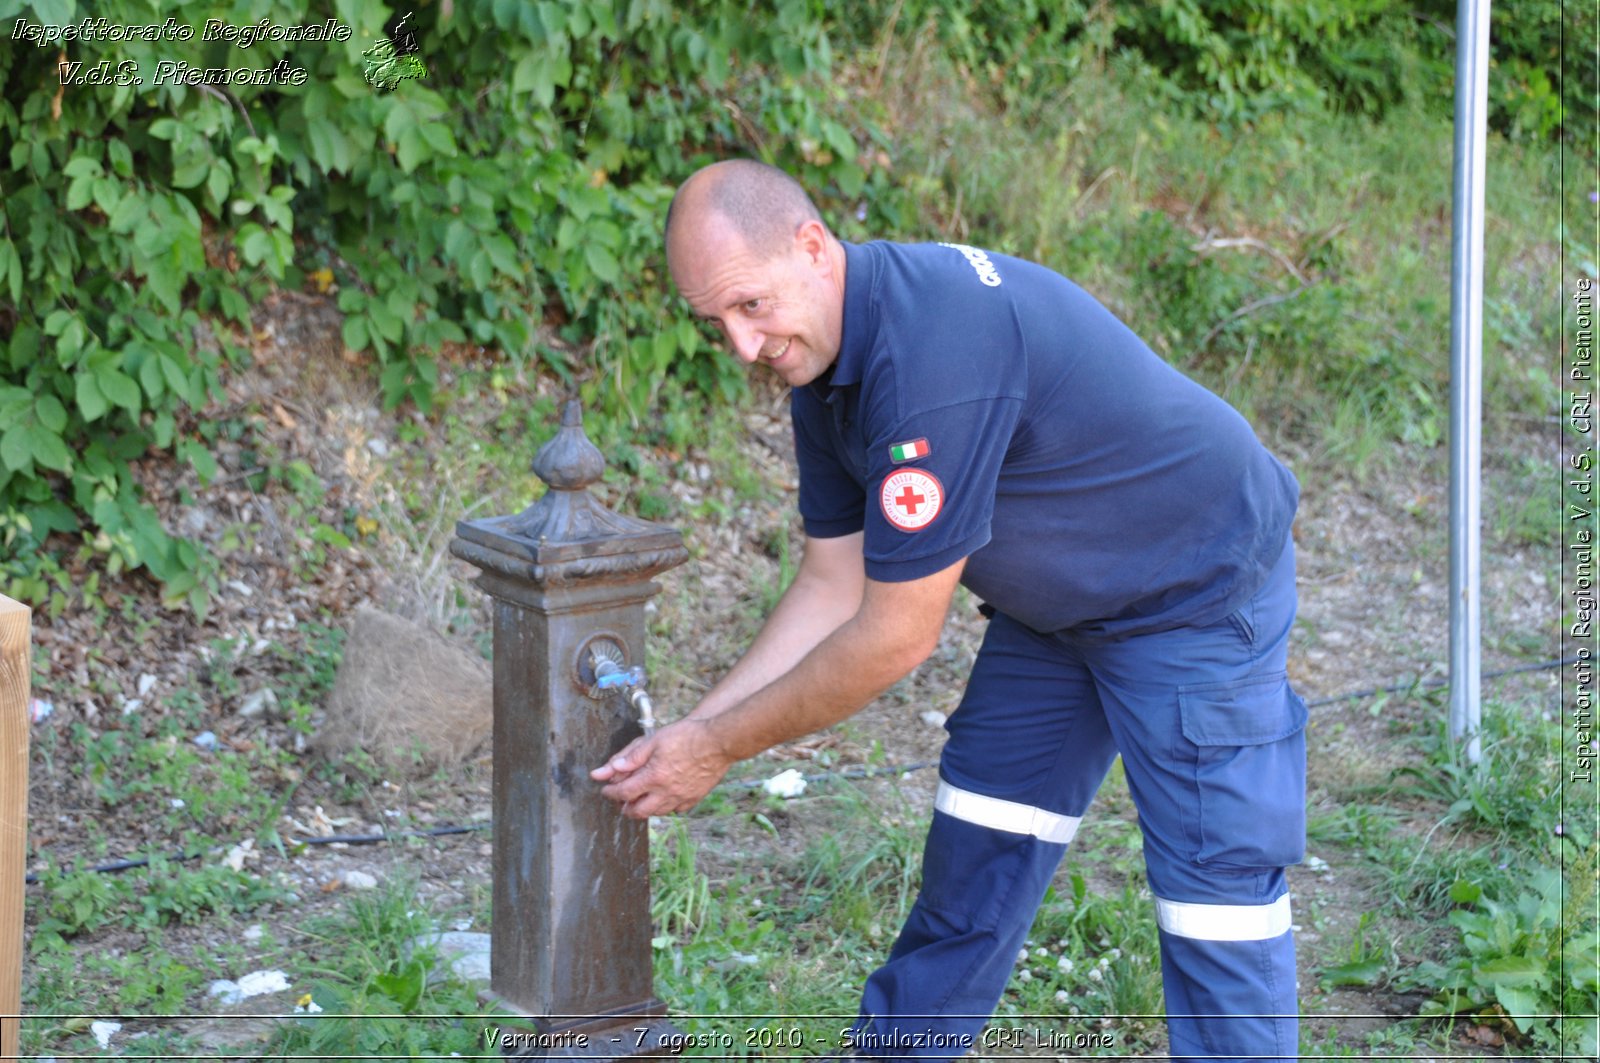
[(986, 407)]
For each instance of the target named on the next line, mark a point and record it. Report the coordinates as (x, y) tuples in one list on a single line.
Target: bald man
[(964, 416)]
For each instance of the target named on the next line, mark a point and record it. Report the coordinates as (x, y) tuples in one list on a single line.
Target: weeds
[(149, 898), (1525, 961), (1317, 320), (377, 972)]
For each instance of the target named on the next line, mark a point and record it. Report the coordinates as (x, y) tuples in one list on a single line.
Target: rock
[(196, 521), (465, 953), (258, 702), (358, 880), (407, 697)]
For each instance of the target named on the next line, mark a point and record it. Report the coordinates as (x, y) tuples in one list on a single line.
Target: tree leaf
[(399, 119), (219, 180), (254, 243), (51, 413), (48, 449), (602, 263), (82, 166), (118, 387), (191, 171), (129, 213), (439, 138), (15, 452), (150, 377), (91, 401), (355, 333), (411, 150), (503, 253), (80, 192)]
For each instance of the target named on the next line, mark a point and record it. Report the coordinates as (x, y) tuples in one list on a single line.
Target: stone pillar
[(570, 943)]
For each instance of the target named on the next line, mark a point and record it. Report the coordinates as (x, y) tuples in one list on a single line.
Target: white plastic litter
[(146, 681), (39, 711), (102, 1032), (253, 984), (258, 702), (206, 741), (789, 783), (241, 854)]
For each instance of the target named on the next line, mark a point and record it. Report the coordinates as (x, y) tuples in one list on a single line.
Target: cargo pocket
[(1249, 770)]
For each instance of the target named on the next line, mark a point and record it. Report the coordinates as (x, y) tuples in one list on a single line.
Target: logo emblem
[(393, 58), (911, 498), (917, 448)]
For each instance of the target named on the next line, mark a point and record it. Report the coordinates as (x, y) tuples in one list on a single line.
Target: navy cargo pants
[(1212, 742)]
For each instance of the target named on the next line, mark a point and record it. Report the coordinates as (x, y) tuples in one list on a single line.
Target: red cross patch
[(911, 498)]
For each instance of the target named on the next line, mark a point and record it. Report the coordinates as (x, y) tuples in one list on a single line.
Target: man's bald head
[(760, 203)]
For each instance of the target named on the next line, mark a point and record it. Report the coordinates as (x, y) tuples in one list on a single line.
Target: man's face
[(783, 311)]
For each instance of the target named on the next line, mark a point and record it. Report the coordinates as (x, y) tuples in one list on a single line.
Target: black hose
[(329, 839), (821, 776), (1428, 684)]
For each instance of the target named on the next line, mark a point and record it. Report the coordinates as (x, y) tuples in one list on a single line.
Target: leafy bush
[(520, 182), (511, 196), (1237, 61), (1528, 961)]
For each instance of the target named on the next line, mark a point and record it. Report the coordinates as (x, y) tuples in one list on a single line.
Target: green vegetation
[(1496, 852), (367, 966), (1168, 155), (1261, 190)]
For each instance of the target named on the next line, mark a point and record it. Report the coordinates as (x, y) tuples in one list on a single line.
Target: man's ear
[(811, 240)]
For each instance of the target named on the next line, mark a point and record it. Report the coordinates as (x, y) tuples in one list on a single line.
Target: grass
[(1305, 284), (1180, 230)]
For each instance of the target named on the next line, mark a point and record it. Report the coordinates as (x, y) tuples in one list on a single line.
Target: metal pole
[(1466, 369)]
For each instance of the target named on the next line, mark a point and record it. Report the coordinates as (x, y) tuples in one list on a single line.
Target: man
[(966, 416)]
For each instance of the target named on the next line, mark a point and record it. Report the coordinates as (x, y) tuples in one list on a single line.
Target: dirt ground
[(1373, 577)]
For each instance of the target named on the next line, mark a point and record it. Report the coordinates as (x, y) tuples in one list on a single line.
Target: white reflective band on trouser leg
[(1224, 922), (1009, 816)]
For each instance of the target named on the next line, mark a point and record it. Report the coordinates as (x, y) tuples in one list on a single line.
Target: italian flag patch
[(917, 448)]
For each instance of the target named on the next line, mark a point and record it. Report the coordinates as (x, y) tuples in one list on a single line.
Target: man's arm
[(825, 593), (894, 630)]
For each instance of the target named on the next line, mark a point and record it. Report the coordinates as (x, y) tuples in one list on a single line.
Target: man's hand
[(669, 771)]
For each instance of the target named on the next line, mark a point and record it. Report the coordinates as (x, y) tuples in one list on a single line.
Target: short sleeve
[(832, 502), (931, 483)]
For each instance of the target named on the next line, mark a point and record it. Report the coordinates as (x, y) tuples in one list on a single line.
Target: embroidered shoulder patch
[(911, 499), (917, 448)]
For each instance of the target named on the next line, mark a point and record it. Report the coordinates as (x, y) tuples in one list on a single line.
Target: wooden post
[(14, 668)]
